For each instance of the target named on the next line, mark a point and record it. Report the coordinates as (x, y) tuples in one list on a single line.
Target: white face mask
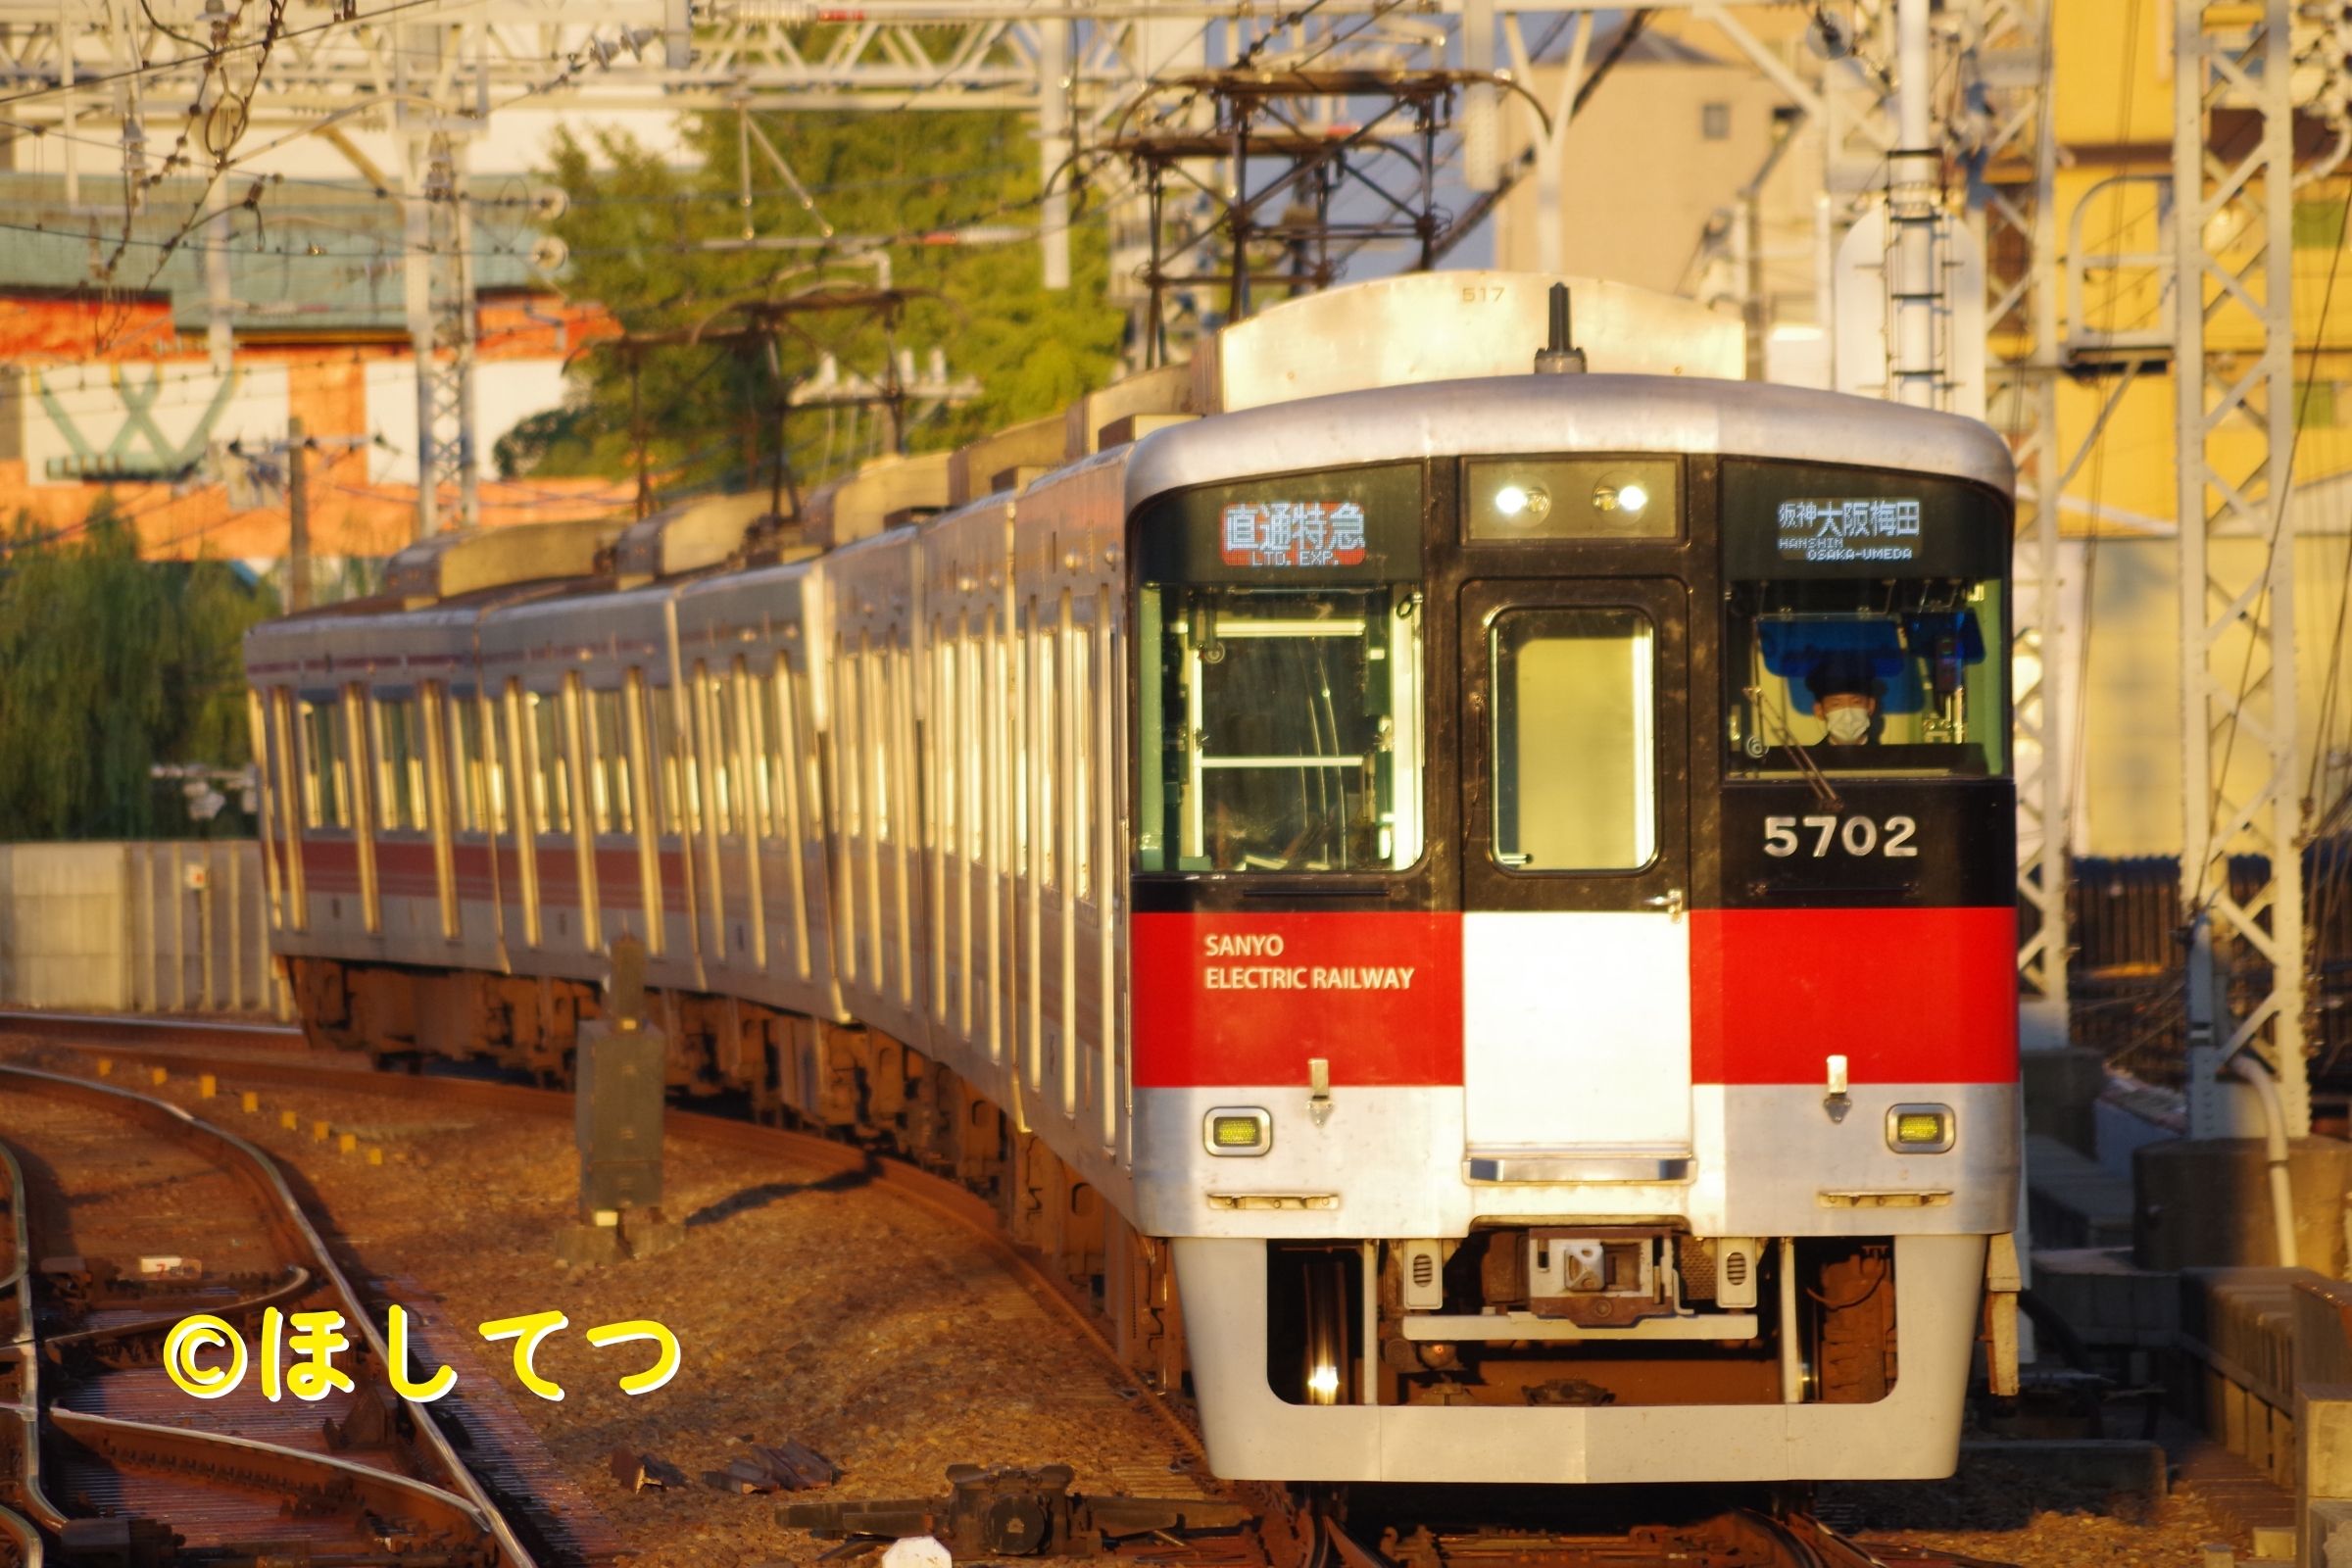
[(1848, 724)]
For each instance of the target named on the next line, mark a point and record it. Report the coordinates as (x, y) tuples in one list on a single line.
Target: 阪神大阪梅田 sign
[(1848, 530), (1278, 534)]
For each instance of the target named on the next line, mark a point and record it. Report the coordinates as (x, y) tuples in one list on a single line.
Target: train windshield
[(1279, 628), (1868, 629)]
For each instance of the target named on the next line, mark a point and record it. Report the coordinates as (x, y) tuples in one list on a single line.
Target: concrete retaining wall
[(171, 927)]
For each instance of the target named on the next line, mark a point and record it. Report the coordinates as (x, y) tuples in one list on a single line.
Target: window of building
[(1715, 121)]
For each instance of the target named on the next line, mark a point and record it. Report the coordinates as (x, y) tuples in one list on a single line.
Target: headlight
[(1919, 1129), (1618, 493), (1528, 503), (1237, 1130)]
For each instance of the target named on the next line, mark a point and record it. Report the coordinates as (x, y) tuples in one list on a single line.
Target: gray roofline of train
[(1662, 413)]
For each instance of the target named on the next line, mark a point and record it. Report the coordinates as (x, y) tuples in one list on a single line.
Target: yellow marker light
[(1919, 1129), (1239, 1130)]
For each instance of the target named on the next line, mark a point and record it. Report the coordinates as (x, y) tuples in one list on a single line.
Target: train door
[(1576, 865)]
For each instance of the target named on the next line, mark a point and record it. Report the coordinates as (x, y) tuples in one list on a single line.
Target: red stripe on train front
[(1249, 999), (1906, 996)]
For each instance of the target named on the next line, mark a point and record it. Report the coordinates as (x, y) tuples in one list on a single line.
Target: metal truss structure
[(2233, 162), (256, 74), (2007, 143), (1273, 207), (1082, 68), (439, 278)]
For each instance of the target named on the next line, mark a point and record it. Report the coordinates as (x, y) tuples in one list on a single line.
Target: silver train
[(1471, 908)]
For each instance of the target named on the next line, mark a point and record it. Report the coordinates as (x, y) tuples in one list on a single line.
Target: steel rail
[(64, 1026), (1293, 1528), (23, 1412), (465, 1498), (946, 1198)]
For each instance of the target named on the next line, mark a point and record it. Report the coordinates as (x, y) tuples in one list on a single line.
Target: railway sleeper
[(863, 1085), (840, 1079)]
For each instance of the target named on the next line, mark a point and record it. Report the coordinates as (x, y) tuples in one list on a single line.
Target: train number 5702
[(1785, 836)]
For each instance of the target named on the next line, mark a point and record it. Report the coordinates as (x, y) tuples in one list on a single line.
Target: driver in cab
[(1845, 701)]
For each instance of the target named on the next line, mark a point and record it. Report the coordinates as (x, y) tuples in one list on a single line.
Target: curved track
[(1298, 1526), (141, 1214)]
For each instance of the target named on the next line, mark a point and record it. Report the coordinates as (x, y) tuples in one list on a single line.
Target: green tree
[(637, 229), (109, 666)]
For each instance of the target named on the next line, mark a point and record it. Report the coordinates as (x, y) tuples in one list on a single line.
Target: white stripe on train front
[(1576, 1032)]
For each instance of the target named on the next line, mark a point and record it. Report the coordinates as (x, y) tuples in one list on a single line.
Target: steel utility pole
[(439, 270), (2241, 770), (298, 517)]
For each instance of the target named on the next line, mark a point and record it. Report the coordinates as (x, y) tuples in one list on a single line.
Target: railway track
[(127, 1216), (1297, 1528)]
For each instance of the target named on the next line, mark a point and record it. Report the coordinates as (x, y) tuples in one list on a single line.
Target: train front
[(1572, 937)]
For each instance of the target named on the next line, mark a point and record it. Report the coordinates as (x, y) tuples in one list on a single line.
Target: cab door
[(1576, 877)]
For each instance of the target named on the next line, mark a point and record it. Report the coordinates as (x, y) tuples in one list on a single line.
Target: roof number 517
[(1783, 836)]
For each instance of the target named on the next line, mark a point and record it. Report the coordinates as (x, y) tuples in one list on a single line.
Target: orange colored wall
[(327, 388)]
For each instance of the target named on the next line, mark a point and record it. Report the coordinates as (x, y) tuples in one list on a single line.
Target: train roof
[(1591, 413)]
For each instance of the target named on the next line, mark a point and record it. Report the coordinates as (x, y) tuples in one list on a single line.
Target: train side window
[(1048, 699), (1082, 759), (947, 744), (976, 733), (676, 791), (1015, 659), (550, 768), (325, 791), (1574, 742), (495, 772), (611, 800), (752, 696), (466, 772), (398, 763), (718, 706), (783, 749), (873, 722)]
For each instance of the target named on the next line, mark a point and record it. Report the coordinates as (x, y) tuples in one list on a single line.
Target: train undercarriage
[(1508, 1316)]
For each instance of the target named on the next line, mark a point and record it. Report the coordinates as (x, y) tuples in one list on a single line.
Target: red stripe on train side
[(1248, 999), (1906, 996), (330, 865)]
